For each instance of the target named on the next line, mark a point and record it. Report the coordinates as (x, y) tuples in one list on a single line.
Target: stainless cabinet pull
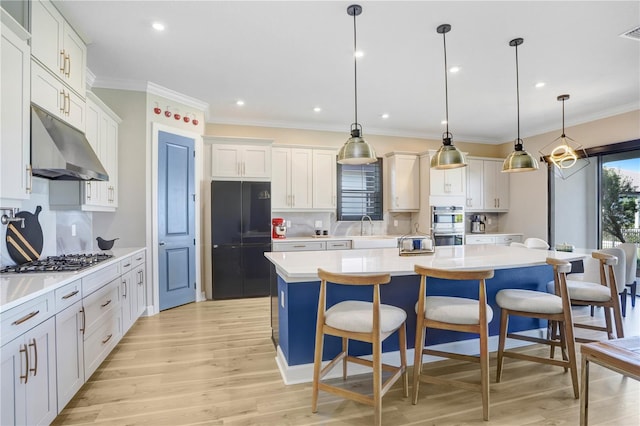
[(73, 293), (124, 287), (34, 370), (30, 179), (25, 318), (139, 258), (106, 303), (68, 103), (62, 101), (107, 339), (23, 348), (88, 190), (84, 320), (62, 60), (127, 265), (67, 66)]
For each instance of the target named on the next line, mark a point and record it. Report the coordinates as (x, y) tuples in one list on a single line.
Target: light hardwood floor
[(212, 363)]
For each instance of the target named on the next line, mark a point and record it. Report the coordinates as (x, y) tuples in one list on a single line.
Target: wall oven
[(448, 225)]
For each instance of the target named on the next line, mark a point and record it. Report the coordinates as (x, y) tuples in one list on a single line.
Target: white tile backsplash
[(303, 224)]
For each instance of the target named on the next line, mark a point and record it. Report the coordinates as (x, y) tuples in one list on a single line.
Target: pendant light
[(447, 156), (563, 156), (356, 150), (519, 160)]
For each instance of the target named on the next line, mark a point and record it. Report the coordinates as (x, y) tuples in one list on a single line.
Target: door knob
[(161, 243)]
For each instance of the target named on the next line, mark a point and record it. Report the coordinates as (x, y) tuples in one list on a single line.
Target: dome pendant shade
[(519, 160), (447, 156), (356, 150)]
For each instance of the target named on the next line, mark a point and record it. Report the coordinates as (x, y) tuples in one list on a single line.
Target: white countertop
[(492, 234), (19, 288), (331, 238), (303, 266)]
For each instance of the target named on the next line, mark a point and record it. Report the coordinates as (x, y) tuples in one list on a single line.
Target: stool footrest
[(552, 361), (452, 355), (475, 387), (534, 339)]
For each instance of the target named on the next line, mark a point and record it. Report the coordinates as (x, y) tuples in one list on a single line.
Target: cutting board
[(24, 244)]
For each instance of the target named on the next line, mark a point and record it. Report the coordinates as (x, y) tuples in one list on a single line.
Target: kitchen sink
[(374, 241)]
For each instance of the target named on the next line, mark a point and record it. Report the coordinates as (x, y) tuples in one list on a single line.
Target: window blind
[(360, 191)]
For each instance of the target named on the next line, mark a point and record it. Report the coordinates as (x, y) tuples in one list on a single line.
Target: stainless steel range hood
[(61, 152)]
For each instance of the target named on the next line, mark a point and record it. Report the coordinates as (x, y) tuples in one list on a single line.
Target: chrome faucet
[(11, 217), (362, 224)]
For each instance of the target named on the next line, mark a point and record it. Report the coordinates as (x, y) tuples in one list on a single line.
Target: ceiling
[(283, 58)]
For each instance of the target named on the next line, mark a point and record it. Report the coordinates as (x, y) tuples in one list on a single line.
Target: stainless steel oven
[(448, 225)]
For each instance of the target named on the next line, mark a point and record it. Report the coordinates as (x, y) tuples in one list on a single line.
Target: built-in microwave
[(448, 239), (447, 219)]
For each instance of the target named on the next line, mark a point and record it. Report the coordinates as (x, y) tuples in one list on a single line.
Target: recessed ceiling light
[(158, 26), (443, 122), (454, 69), (239, 102), (359, 54), (385, 116), (540, 84), (317, 109)]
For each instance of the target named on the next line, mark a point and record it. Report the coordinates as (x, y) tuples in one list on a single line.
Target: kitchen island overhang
[(298, 287)]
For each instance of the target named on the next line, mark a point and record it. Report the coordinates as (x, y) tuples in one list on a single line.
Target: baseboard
[(303, 373)]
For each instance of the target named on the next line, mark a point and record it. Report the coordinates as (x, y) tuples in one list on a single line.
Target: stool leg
[(607, 320), (345, 349), (571, 349), (377, 381), (634, 289), (504, 322), (584, 392), (317, 362), (417, 359), (623, 302), (484, 371), (402, 337)]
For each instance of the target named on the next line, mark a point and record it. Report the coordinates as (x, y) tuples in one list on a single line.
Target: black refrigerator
[(240, 234)]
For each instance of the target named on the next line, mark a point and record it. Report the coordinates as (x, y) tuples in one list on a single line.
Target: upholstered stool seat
[(454, 310), (357, 317), (529, 301)]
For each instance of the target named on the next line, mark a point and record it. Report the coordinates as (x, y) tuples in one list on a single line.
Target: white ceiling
[(283, 58)]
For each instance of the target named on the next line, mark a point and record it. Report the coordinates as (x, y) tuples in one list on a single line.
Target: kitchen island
[(298, 288)]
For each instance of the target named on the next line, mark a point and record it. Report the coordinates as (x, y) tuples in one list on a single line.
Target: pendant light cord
[(355, 71), (563, 135), (518, 94), (446, 83)]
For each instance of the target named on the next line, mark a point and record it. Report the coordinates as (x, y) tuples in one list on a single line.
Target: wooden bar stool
[(621, 355), (456, 314), (364, 321), (555, 308), (603, 293)]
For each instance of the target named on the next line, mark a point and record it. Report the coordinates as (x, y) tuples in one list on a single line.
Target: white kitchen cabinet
[(497, 239), (474, 197), (324, 179), (70, 352), (448, 181), (487, 186), (299, 245), (28, 375), (56, 45), (53, 96), (479, 239), (507, 239), (241, 161), (15, 80), (404, 182), (291, 181), (496, 186), (139, 282)]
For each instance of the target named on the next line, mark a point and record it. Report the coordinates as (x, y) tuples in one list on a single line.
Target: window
[(360, 191)]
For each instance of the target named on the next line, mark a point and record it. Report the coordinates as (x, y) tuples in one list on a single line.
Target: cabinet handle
[(67, 66), (73, 293), (23, 348), (67, 103), (62, 60), (294, 200), (498, 202), (25, 318), (139, 258), (84, 320), (29, 187), (62, 101), (107, 339), (106, 303), (34, 370), (244, 168), (124, 287), (126, 266), (88, 190), (140, 277)]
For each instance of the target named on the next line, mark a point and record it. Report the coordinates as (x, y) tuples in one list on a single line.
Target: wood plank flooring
[(212, 363)]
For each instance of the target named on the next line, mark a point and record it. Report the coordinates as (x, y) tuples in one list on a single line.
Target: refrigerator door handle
[(215, 246)]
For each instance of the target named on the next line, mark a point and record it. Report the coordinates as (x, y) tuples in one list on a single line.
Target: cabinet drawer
[(125, 265), (22, 318), (99, 303), (101, 341), (68, 295), (339, 245), (478, 239), (508, 239), (96, 280), (138, 259), (300, 246)]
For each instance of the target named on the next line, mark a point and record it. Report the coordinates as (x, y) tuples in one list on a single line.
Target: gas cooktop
[(64, 263)]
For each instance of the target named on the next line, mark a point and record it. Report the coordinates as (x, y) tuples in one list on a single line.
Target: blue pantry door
[(176, 220)]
